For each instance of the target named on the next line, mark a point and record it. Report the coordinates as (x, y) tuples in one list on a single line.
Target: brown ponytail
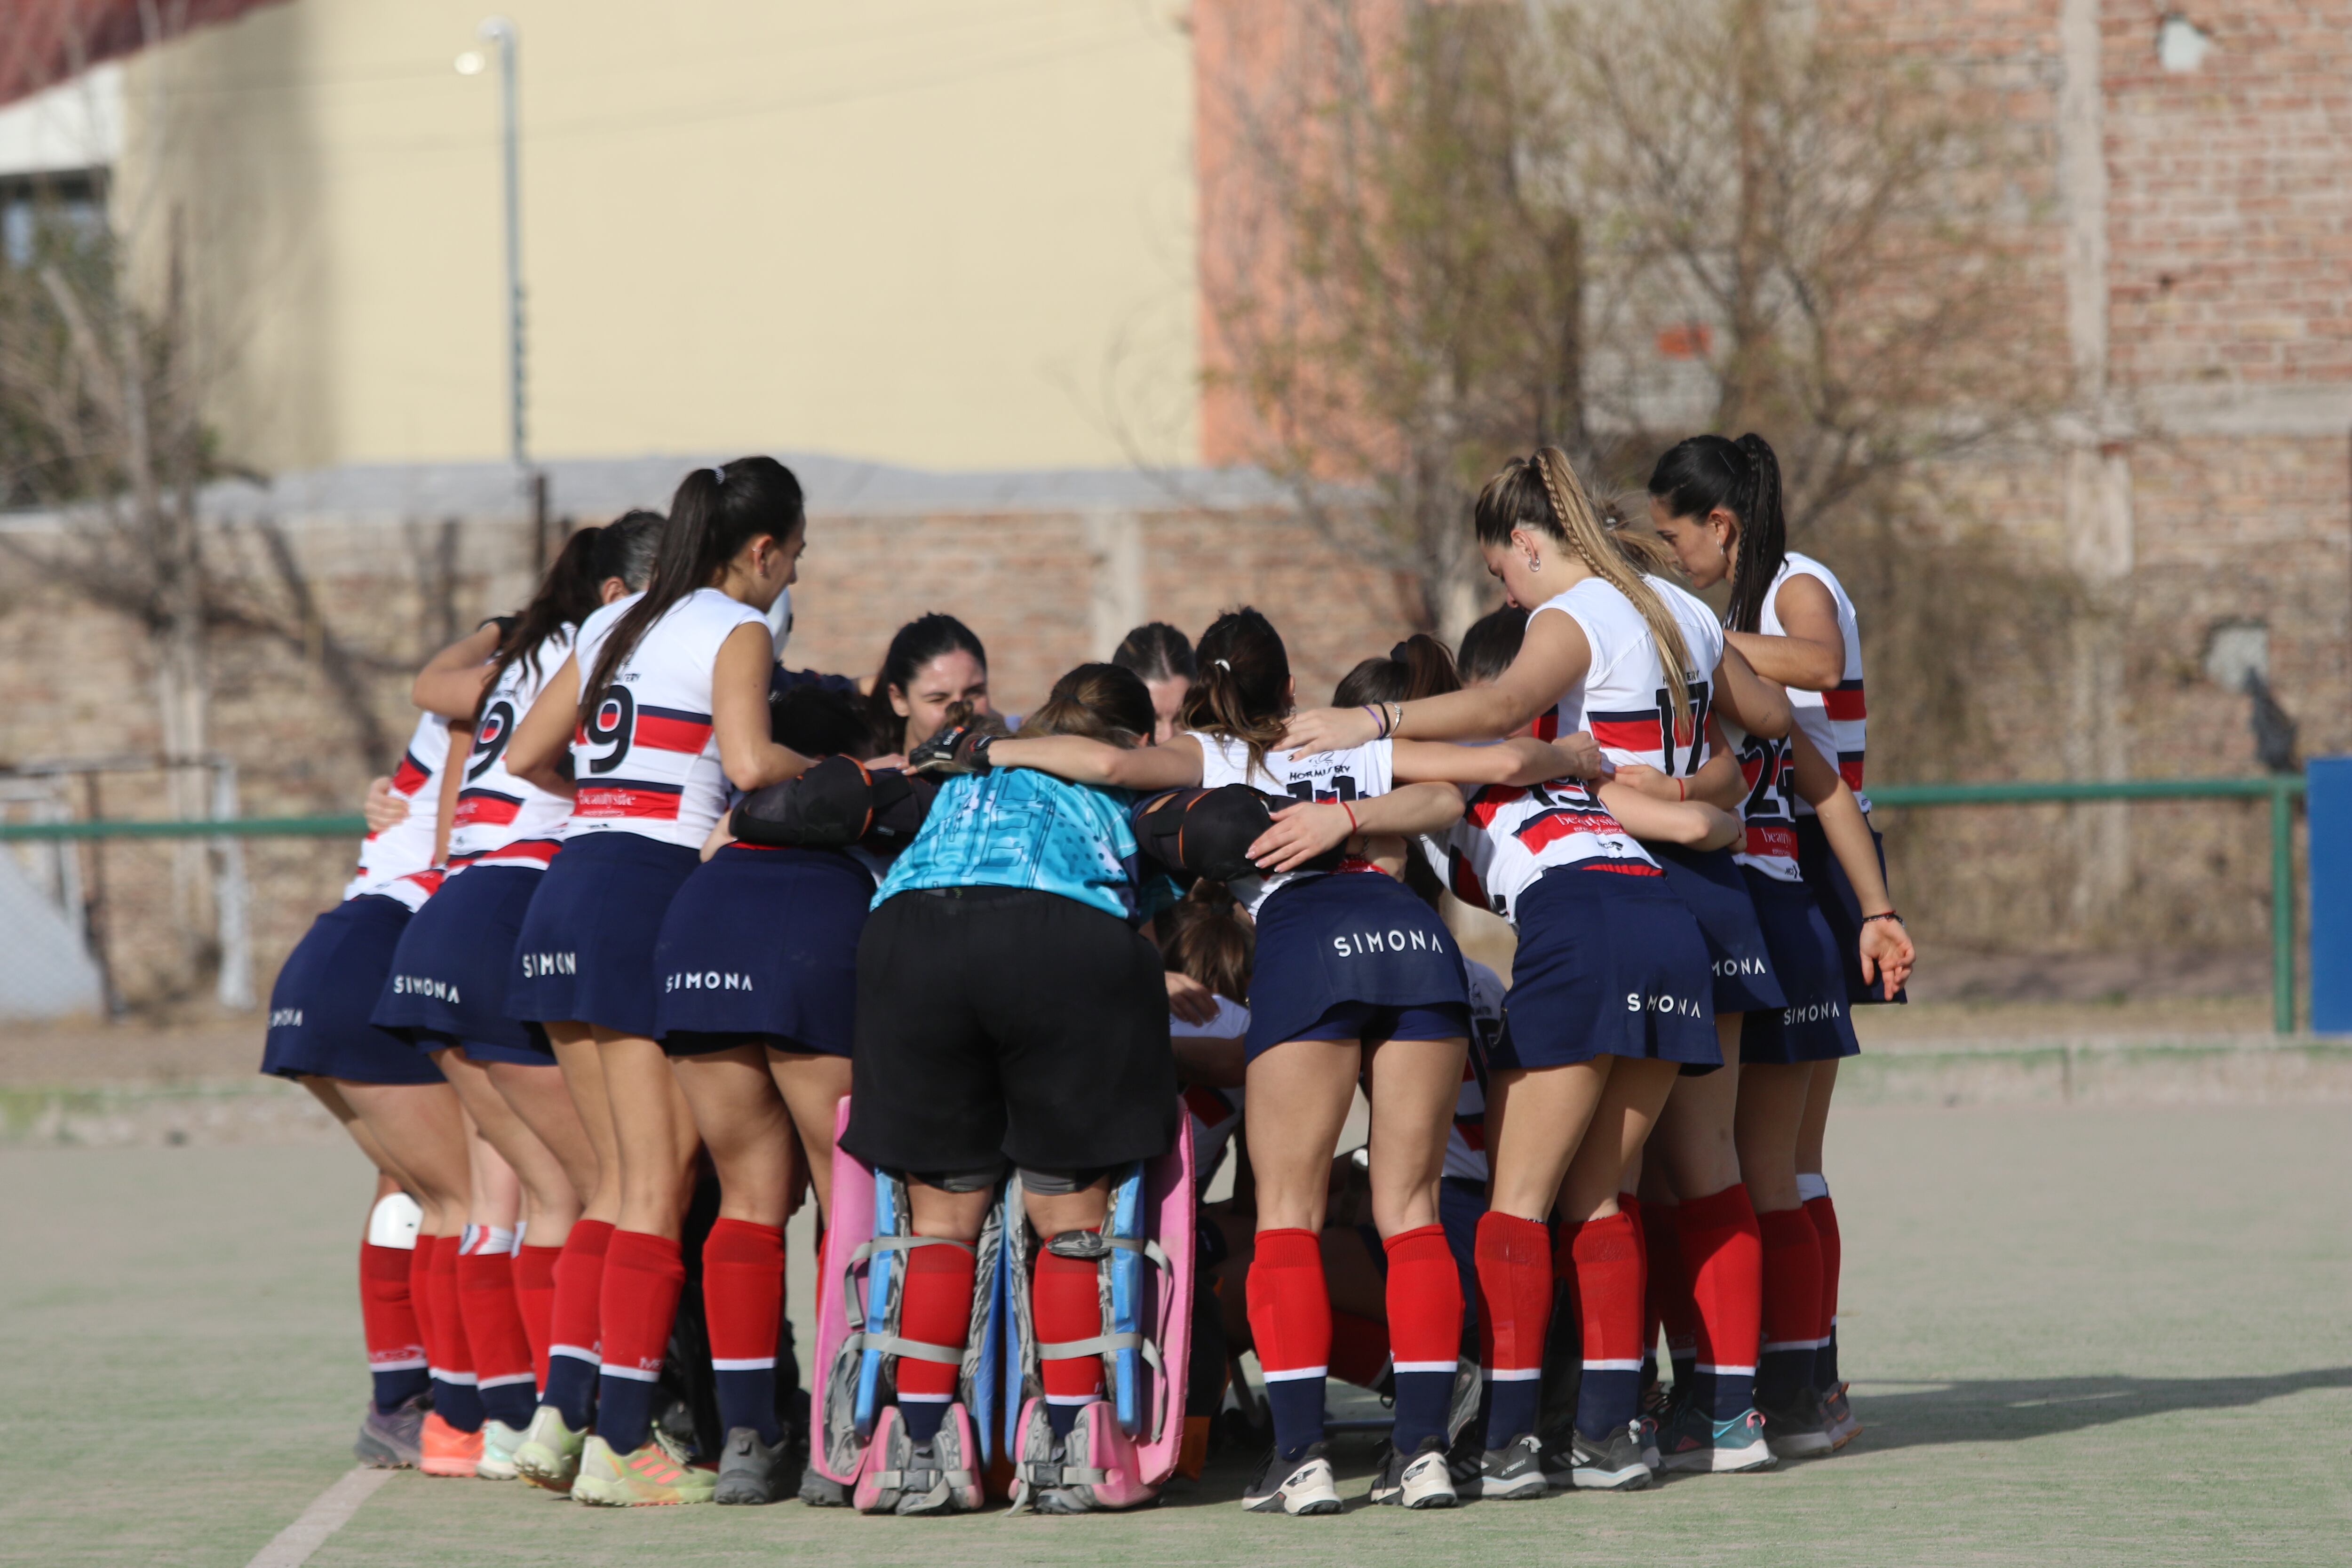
[(1243, 691), (1564, 512)]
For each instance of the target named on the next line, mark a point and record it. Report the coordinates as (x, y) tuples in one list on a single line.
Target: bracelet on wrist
[(1353, 831), (1884, 915)]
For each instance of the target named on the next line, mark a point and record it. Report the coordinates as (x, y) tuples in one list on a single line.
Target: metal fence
[(2280, 790)]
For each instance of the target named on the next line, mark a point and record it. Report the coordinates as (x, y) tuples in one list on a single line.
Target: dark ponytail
[(1491, 644), (715, 513), (573, 588), (1703, 472), (1243, 691), (1416, 668)]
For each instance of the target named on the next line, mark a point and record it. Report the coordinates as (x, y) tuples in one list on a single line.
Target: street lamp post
[(500, 32)]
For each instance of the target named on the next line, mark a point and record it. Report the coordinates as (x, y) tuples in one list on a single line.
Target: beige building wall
[(956, 234)]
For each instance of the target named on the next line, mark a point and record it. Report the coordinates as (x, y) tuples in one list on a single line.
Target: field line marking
[(328, 1512)]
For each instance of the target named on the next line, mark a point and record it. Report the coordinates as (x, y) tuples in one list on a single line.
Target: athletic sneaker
[(1303, 1485), (904, 1477), (447, 1451), (1611, 1464), (656, 1475), (1514, 1471), (1799, 1430), (1418, 1480), (499, 1442), (749, 1471), (820, 1490), (1464, 1462), (1696, 1443), (393, 1440), (1840, 1418), (548, 1452)]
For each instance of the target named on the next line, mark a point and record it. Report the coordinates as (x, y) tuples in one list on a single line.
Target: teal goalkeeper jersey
[(1017, 828)]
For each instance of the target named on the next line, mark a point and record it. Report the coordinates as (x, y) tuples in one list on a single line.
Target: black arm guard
[(837, 802), (1208, 832)]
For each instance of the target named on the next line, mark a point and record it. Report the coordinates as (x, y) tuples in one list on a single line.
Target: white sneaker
[(1418, 1480), (1300, 1485)]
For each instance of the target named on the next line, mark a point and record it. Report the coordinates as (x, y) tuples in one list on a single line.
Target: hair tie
[(1221, 664), (718, 473)]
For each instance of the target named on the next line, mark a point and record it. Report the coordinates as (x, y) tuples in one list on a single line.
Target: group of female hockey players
[(653, 940)]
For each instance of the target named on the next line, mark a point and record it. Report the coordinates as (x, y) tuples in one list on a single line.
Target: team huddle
[(654, 939)]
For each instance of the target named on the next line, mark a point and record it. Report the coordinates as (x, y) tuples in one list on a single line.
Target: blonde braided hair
[(1579, 527)]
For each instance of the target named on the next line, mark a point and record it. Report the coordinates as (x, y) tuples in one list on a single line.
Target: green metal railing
[(2279, 789)]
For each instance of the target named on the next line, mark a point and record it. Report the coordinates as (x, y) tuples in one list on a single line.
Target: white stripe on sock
[(577, 1352), (1444, 1366), (1291, 1375), (1633, 1365), (743, 1363), (907, 1398), (1072, 1398), (1720, 1371), (405, 1364), (460, 1379), (635, 1375), (507, 1382), (1772, 1346), (1514, 1373)]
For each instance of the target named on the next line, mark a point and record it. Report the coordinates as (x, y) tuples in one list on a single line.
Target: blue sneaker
[(1697, 1444)]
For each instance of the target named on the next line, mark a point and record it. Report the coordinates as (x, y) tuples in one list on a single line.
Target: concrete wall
[(949, 232)]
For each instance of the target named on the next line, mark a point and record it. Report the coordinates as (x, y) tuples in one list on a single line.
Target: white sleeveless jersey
[(1768, 808), (1465, 1140), (648, 763), (1217, 1113), (1509, 836), (1833, 721), (1623, 699), (502, 820), (398, 862), (1358, 772)]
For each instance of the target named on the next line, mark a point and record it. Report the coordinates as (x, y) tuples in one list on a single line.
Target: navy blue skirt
[(585, 951), (1352, 936), (761, 944), (449, 980), (1839, 908), (1608, 964), (1708, 881), (319, 1010), (1811, 1025)]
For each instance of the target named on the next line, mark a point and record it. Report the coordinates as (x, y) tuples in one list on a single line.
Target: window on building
[(39, 210)]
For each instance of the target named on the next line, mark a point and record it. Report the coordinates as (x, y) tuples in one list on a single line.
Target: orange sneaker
[(447, 1451)]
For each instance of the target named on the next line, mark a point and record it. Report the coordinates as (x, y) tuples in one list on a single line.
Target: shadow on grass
[(2007, 1410)]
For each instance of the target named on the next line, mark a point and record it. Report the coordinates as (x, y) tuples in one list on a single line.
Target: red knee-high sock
[(936, 1309), (1290, 1322), (396, 1344), (1424, 1310), (534, 1288), (1792, 1306), (743, 1300), (1666, 1293), (574, 1341), (1514, 1278), (1066, 1300), (455, 1399), (1607, 1294), (1722, 1253), (494, 1330), (643, 1275), (1823, 1214)]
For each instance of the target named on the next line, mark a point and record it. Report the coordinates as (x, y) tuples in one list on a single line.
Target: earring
[(1535, 563)]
